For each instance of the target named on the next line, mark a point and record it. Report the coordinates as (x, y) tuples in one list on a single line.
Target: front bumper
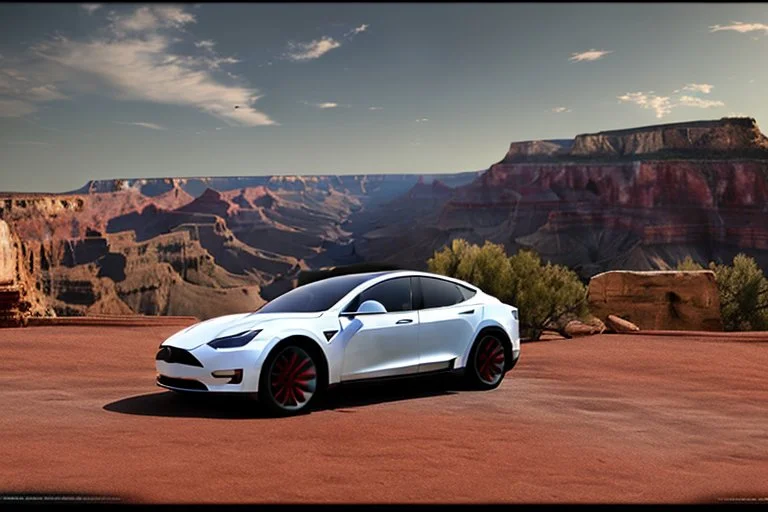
[(185, 377), (515, 359)]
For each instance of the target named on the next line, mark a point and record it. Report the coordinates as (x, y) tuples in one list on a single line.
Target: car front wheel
[(485, 368), (289, 381)]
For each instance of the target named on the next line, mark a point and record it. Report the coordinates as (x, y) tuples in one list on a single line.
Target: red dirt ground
[(611, 418)]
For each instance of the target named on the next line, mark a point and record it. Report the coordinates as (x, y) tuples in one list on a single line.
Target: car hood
[(208, 330)]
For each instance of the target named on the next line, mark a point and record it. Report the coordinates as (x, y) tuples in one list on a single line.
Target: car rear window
[(437, 293)]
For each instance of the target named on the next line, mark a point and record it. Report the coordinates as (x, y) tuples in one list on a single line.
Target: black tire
[(290, 381), (487, 362)]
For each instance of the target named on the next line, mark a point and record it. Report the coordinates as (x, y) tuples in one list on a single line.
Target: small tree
[(486, 267), (743, 295), (743, 291), (546, 295), (689, 264)]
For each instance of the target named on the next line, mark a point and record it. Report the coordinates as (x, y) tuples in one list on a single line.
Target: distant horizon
[(393, 173)]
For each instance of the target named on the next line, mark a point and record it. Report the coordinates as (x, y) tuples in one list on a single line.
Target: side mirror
[(369, 307)]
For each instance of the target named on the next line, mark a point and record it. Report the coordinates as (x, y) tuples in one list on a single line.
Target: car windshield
[(316, 297)]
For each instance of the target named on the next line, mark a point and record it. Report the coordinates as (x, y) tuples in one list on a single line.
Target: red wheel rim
[(293, 378), (489, 360)]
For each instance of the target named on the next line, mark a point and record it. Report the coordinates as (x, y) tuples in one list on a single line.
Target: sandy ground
[(611, 418)]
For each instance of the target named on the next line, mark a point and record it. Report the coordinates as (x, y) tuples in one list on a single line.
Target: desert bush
[(547, 295), (743, 290), (689, 264), (486, 267)]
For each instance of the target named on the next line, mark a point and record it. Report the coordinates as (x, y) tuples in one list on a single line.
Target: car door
[(447, 322), (385, 344)]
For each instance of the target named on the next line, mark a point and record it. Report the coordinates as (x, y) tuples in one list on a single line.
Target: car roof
[(417, 273)]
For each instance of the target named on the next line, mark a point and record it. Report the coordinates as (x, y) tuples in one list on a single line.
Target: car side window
[(394, 295), (466, 292), (437, 293)]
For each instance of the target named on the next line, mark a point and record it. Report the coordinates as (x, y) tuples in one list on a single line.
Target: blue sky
[(91, 91)]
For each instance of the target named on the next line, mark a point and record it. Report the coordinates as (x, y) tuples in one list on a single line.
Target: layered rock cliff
[(639, 199), (724, 138), (596, 214)]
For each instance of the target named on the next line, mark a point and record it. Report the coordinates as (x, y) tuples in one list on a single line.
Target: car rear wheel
[(289, 382), (485, 368)]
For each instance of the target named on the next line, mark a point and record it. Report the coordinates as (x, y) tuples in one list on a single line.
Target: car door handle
[(404, 321), (471, 311)]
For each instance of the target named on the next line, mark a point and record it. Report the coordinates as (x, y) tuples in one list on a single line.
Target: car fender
[(484, 323), (254, 377)]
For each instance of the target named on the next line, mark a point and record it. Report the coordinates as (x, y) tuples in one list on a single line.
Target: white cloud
[(150, 18), (661, 105), (312, 50), (589, 55), (692, 101), (151, 126), (560, 110), (22, 93), (324, 105), (219, 128), (704, 88), (16, 108), (357, 30), (743, 28), (142, 67), (375, 108), (91, 8), (207, 44), (45, 93), (422, 120)]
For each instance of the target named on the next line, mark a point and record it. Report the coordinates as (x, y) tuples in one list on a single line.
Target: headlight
[(234, 341)]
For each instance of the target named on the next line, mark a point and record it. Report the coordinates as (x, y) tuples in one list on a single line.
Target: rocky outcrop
[(727, 137), (657, 300), (7, 256), (700, 138), (619, 325), (19, 297), (536, 149), (576, 328)]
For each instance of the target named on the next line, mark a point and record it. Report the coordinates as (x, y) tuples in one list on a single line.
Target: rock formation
[(619, 325), (637, 208), (658, 300), (639, 199), (19, 298)]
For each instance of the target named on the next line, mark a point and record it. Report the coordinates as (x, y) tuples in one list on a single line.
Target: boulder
[(618, 324), (577, 328), (658, 300)]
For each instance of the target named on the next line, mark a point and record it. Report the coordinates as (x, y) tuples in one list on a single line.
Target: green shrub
[(547, 296), (689, 264), (743, 290)]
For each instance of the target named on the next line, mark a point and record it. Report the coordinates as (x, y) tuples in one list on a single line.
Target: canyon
[(635, 199)]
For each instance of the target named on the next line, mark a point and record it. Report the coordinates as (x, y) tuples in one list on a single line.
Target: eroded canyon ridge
[(640, 198)]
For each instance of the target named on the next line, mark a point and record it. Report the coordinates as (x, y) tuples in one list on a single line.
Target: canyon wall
[(638, 199)]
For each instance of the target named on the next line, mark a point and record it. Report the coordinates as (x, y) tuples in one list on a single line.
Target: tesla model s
[(345, 329)]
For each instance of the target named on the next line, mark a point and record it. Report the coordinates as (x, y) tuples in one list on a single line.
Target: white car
[(342, 329)]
